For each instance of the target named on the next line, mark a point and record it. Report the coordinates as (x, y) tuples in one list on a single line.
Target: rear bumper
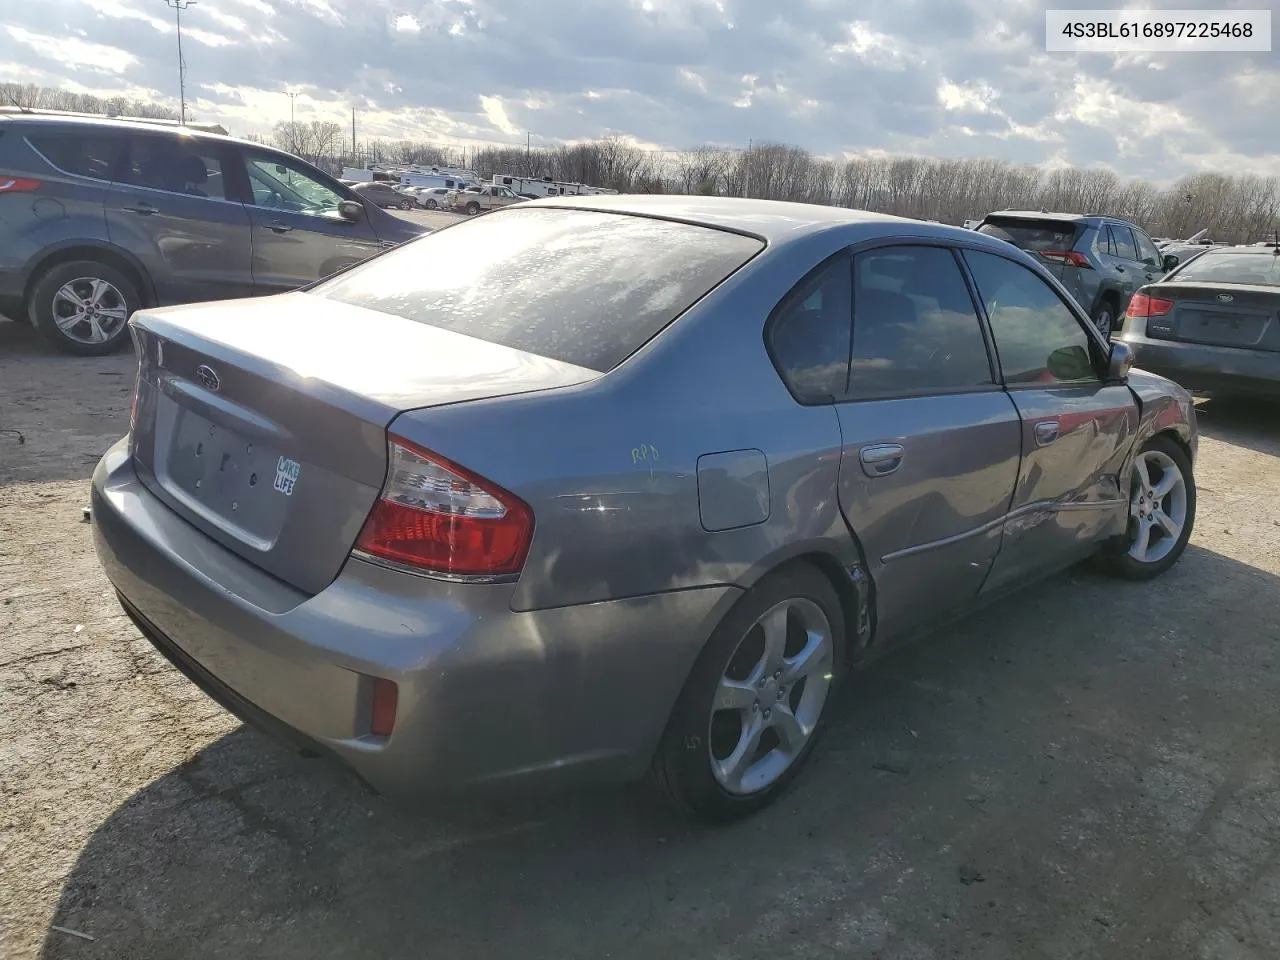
[(486, 695), (1198, 366)]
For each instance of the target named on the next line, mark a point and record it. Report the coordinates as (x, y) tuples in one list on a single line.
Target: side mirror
[(351, 210), (1120, 362), (1071, 363), (1170, 261)]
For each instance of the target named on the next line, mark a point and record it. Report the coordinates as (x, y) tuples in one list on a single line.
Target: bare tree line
[(34, 97), (1239, 207)]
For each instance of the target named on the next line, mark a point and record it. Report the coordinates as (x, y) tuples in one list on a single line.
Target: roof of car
[(774, 220), (57, 118), (1242, 248), (1037, 215)]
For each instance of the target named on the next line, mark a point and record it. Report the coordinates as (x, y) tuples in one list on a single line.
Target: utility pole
[(292, 97), (178, 6), (353, 136)]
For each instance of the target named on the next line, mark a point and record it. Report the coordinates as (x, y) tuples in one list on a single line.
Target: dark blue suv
[(99, 217)]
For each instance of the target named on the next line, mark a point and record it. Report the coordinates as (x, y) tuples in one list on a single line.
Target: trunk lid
[(1037, 236), (1218, 314), (263, 422)]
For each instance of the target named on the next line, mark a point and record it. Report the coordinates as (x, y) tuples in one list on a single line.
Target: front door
[(1075, 429), (171, 207), (298, 235), (931, 442)]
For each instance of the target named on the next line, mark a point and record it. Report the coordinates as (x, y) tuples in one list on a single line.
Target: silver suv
[(1102, 261), (100, 217)]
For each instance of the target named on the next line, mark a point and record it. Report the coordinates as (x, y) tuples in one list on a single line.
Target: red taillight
[(1144, 305), (1070, 257), (18, 185), (383, 715), (437, 517)]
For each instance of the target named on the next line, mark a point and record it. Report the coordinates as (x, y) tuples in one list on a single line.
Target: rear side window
[(808, 335), (85, 155), (176, 165), (1033, 235), (1038, 339), (914, 324), (578, 286), (1122, 244)]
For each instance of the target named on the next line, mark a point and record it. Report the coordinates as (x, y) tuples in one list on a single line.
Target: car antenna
[(9, 93)]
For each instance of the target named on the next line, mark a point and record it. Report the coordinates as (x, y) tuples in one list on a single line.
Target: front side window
[(584, 287), (808, 335), (1147, 251), (279, 183), (85, 155), (914, 324), (1037, 337), (176, 165)]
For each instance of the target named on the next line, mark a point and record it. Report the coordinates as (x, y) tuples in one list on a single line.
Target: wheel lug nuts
[(755, 708), (766, 714), (777, 675), (781, 693)]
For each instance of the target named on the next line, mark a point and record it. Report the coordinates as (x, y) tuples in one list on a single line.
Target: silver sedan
[(595, 487)]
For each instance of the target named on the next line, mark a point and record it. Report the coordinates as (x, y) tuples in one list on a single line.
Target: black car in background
[(384, 195), (99, 217), (1213, 323)]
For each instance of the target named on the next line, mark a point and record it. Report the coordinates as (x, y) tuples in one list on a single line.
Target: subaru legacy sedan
[(594, 487)]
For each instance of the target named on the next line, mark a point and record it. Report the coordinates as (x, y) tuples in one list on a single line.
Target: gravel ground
[(1089, 769)]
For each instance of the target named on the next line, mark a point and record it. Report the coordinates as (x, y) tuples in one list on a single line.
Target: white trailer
[(546, 187)]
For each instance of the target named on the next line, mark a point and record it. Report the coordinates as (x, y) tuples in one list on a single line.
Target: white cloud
[(74, 53), (497, 114), (406, 23)]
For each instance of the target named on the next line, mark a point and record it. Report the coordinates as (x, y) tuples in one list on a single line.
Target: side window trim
[(802, 288), (122, 161), (1098, 351)]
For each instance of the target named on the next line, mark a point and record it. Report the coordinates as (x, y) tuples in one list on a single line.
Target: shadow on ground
[(1087, 769), (1245, 422)]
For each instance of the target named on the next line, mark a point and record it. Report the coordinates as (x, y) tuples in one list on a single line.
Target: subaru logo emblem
[(209, 378), (1225, 298)]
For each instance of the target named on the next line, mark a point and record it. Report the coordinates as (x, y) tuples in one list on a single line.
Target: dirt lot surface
[(1090, 769)]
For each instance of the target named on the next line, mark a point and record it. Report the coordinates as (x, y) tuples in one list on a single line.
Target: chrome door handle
[(1046, 432), (881, 459), (278, 227), (143, 209)]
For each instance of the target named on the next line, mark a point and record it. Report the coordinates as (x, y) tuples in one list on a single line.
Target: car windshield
[(1033, 235), (1261, 268), (578, 286)]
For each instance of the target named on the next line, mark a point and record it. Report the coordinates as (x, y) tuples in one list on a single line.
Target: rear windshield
[(1260, 268), (1034, 235), (578, 286)]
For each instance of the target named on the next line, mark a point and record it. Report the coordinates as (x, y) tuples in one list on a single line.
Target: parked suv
[(99, 217), (1102, 261)]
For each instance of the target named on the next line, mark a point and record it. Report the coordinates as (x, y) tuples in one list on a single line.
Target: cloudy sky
[(934, 77)]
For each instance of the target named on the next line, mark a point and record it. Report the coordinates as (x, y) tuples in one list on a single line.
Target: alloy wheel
[(771, 696), (1157, 507), (89, 310)]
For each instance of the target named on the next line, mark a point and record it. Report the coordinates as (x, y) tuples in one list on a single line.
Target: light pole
[(178, 6), (292, 97)]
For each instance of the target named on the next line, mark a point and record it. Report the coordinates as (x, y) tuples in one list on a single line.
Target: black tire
[(1104, 318), (473, 208), (431, 205), (682, 765), (41, 306), (1115, 558)]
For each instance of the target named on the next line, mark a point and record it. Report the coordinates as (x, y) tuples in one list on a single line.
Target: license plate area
[(227, 476), (1222, 328)]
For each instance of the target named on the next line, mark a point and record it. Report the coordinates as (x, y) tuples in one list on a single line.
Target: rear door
[(931, 443), (74, 169), (298, 235), (1075, 429), (174, 206), (1120, 257)]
